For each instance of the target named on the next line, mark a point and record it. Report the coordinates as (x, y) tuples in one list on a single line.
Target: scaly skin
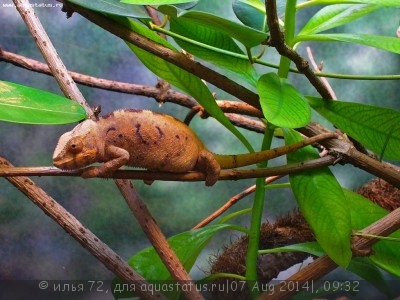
[(145, 139)]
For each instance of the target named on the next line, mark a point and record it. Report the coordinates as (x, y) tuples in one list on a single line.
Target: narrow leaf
[(281, 103), (114, 7), (323, 204), (312, 248), (388, 43), (187, 246), (336, 15), (23, 104), (377, 128)]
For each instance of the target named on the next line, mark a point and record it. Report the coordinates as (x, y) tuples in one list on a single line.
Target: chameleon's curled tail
[(241, 160)]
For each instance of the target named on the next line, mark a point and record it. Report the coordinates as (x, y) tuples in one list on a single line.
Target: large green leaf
[(336, 15), (323, 204), (377, 128), (23, 104), (178, 77), (387, 43), (241, 68), (364, 213), (113, 7), (187, 246), (251, 13), (281, 103), (248, 36)]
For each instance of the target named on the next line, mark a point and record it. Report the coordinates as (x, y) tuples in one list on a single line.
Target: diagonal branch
[(156, 237), (277, 40), (50, 54)]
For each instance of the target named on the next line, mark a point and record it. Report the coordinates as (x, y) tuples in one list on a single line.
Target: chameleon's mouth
[(65, 164)]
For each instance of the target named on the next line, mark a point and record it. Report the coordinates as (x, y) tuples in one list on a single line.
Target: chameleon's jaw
[(65, 163), (73, 162)]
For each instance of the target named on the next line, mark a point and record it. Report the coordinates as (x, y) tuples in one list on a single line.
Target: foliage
[(22, 104), (227, 45)]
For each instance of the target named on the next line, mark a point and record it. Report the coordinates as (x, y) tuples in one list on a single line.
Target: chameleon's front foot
[(99, 171)]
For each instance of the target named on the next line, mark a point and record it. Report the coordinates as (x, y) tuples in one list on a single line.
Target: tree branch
[(50, 54), (277, 40), (156, 237), (234, 174)]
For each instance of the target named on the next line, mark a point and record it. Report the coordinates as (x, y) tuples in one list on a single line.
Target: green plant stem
[(290, 24), (221, 275), (321, 2), (234, 215), (278, 186), (256, 219)]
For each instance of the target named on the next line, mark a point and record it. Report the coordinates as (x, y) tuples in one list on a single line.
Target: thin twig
[(232, 201), (318, 70), (157, 238), (155, 92)]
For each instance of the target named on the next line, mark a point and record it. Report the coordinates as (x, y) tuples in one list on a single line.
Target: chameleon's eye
[(76, 145)]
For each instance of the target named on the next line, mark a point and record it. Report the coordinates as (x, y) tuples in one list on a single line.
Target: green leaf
[(387, 3), (178, 77), (388, 43), (312, 248), (113, 7), (248, 36), (251, 13), (336, 15), (281, 103), (323, 204), (377, 128), (216, 39), (363, 267), (364, 213), (23, 104), (187, 246), (156, 2)]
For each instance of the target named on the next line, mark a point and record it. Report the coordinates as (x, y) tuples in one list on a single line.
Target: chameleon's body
[(144, 139)]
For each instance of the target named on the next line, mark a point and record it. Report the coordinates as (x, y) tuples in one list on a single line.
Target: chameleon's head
[(77, 148)]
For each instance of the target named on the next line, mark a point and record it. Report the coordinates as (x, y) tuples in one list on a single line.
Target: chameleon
[(149, 140)]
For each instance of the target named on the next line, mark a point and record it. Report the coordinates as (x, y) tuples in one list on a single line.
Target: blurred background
[(33, 246)]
